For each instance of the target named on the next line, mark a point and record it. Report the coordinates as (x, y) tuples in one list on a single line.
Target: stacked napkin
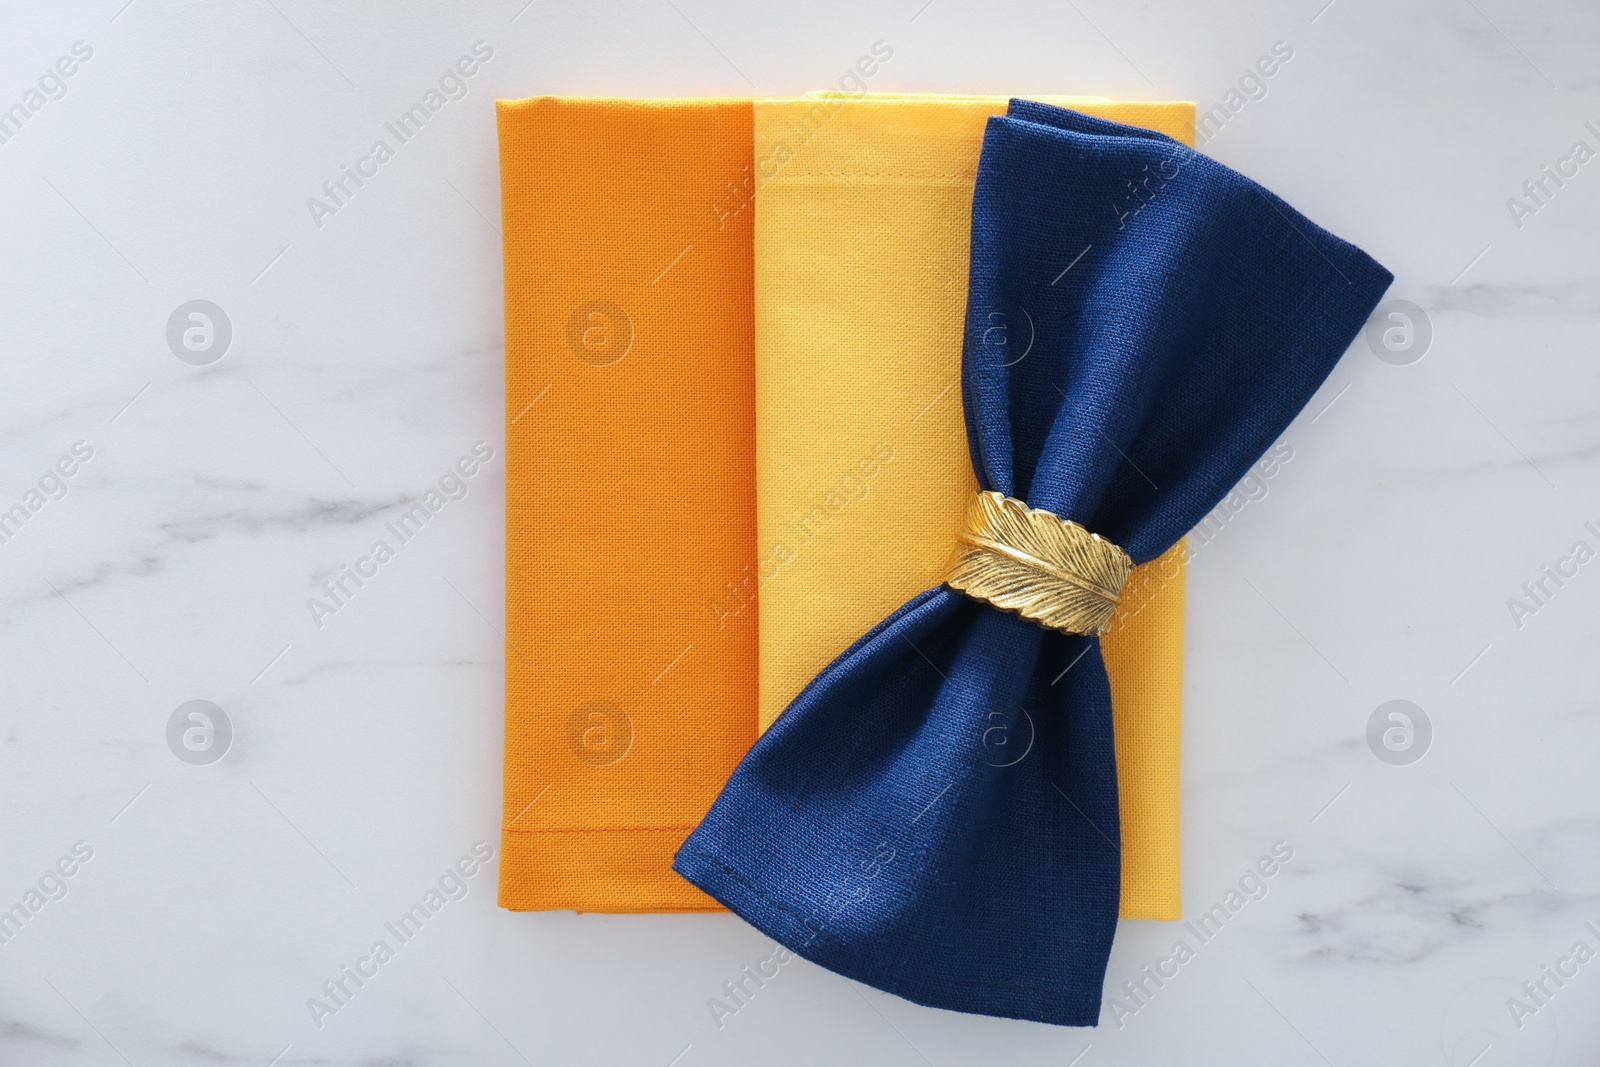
[(630, 492), (732, 371), (759, 356), (863, 475)]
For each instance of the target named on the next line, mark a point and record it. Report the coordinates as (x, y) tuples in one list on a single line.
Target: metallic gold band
[(1038, 565)]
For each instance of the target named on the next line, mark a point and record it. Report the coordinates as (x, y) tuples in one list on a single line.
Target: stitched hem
[(942, 179), (603, 830), (609, 869)]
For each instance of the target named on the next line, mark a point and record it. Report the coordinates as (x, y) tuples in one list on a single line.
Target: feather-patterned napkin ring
[(1038, 565)]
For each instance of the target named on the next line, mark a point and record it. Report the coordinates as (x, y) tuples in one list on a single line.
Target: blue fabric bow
[(1183, 315)]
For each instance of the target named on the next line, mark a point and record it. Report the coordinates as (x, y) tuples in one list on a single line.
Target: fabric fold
[(1183, 315)]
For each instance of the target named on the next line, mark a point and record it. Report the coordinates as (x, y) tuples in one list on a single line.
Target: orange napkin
[(630, 491)]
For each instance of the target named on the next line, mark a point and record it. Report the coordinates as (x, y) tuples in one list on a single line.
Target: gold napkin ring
[(1038, 565)]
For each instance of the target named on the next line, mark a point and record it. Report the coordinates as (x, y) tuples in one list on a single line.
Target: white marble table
[(206, 502)]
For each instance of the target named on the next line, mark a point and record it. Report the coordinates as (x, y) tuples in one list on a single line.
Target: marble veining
[(1432, 894)]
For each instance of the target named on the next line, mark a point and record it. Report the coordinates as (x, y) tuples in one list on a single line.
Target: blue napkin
[(1183, 315)]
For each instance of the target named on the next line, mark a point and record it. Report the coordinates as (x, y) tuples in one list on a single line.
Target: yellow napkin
[(863, 210)]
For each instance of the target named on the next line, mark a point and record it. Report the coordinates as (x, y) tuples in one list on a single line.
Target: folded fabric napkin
[(862, 223), (1183, 316), (630, 492)]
